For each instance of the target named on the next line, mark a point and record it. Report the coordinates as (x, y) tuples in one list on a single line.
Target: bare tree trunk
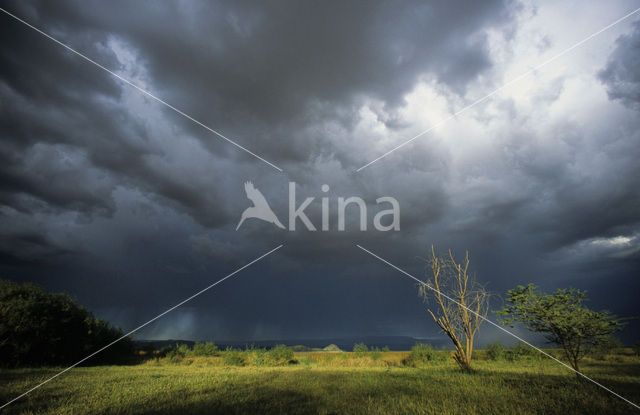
[(461, 304)]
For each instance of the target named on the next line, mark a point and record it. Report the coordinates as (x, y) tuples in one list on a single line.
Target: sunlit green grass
[(203, 386)]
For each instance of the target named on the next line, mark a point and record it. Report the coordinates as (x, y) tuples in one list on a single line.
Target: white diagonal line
[(143, 325), (498, 326), (149, 94), (516, 79)]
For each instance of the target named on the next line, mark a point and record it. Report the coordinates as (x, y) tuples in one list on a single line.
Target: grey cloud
[(622, 73), (246, 67), (257, 72)]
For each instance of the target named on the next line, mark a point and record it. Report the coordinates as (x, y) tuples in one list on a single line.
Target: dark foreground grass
[(530, 387)]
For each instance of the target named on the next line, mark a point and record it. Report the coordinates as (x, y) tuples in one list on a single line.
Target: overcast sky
[(130, 207)]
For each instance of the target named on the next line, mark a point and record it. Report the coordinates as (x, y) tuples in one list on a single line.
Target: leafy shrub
[(523, 352), (183, 350), (360, 349), (205, 349), (422, 353), (385, 349), (375, 353), (280, 354), (256, 357), (495, 351), (233, 357), (177, 353)]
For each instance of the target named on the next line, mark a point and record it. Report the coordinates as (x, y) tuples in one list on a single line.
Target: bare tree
[(460, 303)]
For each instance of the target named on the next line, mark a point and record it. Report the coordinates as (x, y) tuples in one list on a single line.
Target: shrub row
[(361, 350), (496, 351), (420, 354), (278, 355)]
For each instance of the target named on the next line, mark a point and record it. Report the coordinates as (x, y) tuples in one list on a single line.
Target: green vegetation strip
[(326, 383)]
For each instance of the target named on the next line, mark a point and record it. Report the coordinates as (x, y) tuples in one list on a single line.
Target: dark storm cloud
[(622, 73), (67, 140), (259, 72), (258, 69)]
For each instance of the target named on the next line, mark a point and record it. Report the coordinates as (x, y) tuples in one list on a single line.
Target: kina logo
[(297, 212), (260, 209)]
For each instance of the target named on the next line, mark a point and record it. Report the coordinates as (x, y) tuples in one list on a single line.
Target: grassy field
[(327, 383)]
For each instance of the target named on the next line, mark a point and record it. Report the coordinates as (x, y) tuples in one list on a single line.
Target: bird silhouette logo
[(260, 209)]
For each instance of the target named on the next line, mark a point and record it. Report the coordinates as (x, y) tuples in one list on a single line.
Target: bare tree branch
[(452, 278)]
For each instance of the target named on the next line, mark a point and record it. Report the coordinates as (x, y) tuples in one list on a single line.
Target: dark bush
[(147, 349), (605, 346), (495, 351), (165, 351), (39, 328)]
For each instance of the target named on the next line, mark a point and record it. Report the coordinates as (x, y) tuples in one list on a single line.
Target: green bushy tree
[(561, 317), (39, 328)]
